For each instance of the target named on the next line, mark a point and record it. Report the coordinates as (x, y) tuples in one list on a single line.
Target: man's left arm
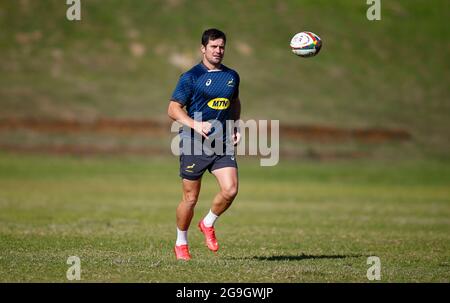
[(236, 115)]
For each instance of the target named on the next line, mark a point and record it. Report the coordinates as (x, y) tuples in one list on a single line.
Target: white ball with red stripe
[(306, 44)]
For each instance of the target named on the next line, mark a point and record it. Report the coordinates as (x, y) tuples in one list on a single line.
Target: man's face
[(214, 51)]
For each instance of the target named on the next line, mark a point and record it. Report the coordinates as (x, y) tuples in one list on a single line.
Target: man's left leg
[(227, 178)]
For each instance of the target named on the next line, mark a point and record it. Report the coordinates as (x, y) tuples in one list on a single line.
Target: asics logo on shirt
[(208, 83)]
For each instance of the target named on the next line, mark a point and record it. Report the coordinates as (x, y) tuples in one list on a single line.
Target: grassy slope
[(309, 222), (392, 73)]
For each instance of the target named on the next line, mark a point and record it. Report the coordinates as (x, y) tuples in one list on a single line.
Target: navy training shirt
[(209, 93)]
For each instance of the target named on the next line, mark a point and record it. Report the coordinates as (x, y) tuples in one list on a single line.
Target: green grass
[(296, 222)]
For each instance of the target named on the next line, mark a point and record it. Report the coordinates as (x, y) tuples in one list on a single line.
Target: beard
[(215, 60)]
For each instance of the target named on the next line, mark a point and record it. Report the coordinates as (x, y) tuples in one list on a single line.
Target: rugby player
[(205, 98)]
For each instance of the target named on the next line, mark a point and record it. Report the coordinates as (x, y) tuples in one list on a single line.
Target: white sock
[(210, 219), (181, 237)]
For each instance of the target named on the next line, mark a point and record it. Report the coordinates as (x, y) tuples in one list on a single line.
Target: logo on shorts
[(219, 103), (190, 168)]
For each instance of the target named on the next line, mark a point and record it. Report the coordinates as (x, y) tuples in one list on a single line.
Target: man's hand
[(203, 128), (236, 137)]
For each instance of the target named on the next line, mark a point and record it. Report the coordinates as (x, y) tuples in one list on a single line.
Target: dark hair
[(213, 34)]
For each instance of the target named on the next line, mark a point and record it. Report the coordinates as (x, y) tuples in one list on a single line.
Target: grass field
[(304, 220), (296, 222)]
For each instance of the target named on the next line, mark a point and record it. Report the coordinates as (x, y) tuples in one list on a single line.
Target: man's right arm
[(177, 113)]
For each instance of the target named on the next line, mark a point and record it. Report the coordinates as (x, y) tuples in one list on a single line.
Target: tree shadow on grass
[(300, 257)]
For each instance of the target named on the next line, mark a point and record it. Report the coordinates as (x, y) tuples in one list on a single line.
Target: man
[(210, 93)]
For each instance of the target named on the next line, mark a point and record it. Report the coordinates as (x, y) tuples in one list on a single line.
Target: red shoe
[(210, 236), (182, 252)]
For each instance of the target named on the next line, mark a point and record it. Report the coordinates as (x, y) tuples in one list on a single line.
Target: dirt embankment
[(158, 129)]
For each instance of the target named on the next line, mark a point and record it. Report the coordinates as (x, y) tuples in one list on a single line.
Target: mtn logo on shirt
[(219, 103)]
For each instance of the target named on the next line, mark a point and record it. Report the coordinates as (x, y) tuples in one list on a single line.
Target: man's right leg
[(185, 212)]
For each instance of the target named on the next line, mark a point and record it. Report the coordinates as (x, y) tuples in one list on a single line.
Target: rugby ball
[(306, 44)]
